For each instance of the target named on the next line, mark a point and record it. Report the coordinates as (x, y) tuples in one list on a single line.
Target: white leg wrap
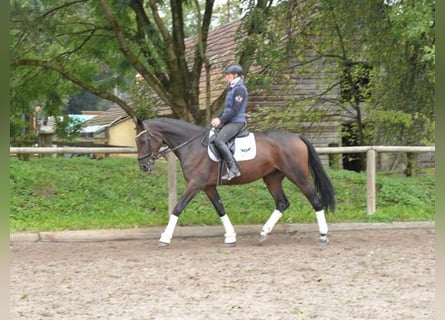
[(271, 222), (230, 235), (322, 225), (167, 235)]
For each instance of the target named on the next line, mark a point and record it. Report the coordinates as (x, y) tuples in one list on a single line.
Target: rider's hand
[(215, 122)]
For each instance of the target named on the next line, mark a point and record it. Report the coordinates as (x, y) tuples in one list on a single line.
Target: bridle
[(154, 156)]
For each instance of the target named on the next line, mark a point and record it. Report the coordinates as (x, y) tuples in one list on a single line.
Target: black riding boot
[(230, 161)]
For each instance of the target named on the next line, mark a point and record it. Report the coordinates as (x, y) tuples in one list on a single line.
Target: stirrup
[(230, 175)]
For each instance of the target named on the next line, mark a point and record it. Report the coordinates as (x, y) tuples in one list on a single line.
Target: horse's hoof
[(324, 239), (230, 244), (262, 237), (163, 244), (230, 239)]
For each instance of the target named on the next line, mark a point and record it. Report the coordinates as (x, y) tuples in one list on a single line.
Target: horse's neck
[(174, 139), (178, 136), (181, 143)]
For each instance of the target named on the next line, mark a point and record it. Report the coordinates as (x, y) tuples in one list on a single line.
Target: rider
[(233, 118)]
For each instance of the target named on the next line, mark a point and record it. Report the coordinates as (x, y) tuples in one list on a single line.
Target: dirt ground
[(385, 274)]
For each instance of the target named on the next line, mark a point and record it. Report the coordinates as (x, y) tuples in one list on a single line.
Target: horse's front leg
[(189, 193), (230, 234), (273, 182)]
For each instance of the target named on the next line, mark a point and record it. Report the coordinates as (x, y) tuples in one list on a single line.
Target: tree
[(46, 41), (407, 82), (404, 85), (75, 40), (377, 61)]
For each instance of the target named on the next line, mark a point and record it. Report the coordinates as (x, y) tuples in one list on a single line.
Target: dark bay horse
[(279, 155)]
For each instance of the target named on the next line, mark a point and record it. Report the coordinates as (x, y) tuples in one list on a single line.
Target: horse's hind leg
[(314, 199), (230, 234), (274, 185), (310, 193)]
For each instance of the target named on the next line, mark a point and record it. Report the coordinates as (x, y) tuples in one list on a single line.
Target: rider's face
[(229, 77)]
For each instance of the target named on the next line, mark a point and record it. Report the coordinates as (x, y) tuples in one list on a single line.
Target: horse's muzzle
[(146, 166)]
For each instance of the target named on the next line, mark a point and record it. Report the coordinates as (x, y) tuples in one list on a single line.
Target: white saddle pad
[(245, 149)]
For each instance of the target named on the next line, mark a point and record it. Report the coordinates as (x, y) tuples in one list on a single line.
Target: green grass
[(80, 193)]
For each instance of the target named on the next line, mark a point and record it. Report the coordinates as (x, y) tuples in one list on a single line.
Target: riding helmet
[(234, 68)]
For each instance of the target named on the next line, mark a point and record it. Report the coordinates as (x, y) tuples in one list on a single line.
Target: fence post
[(45, 140), (370, 178), (172, 191)]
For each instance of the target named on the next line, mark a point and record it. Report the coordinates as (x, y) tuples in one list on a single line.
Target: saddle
[(242, 146)]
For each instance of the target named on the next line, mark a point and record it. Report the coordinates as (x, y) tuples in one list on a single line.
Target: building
[(112, 127)]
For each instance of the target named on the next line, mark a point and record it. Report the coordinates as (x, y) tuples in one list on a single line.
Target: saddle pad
[(245, 149)]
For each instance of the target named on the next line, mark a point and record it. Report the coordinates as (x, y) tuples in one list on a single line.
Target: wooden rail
[(78, 150), (371, 153)]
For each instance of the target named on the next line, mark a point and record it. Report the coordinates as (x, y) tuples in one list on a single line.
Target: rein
[(167, 150)]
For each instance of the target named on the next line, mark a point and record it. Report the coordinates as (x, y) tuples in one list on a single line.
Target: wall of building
[(122, 134)]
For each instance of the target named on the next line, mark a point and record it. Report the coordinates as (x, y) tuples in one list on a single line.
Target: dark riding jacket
[(235, 104)]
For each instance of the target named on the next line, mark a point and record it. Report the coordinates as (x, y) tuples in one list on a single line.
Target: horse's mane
[(177, 124)]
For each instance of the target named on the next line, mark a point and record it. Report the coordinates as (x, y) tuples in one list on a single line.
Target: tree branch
[(149, 41), (62, 6), (168, 42), (66, 74), (132, 58)]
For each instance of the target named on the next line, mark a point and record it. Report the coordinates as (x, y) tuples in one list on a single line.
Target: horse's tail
[(323, 184)]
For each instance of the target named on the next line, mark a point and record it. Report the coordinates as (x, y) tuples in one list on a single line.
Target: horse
[(279, 155)]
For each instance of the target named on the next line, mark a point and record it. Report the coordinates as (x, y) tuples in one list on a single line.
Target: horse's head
[(148, 144)]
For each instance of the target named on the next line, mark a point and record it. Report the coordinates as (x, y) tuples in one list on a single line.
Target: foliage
[(80, 193), (67, 129), (376, 61), (57, 47), (405, 82)]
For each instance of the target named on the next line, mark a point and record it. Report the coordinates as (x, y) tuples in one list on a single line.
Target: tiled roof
[(108, 117), (221, 44)]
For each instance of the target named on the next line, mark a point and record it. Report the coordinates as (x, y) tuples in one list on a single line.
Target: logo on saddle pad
[(243, 148)]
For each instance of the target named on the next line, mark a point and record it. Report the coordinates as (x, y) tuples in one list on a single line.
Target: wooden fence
[(371, 153)]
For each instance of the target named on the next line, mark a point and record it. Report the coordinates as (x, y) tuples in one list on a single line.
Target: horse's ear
[(138, 122)]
